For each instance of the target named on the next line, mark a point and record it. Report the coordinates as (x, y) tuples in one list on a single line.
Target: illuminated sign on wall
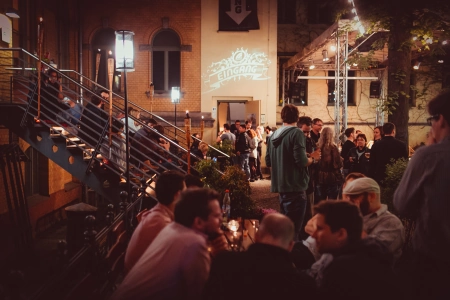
[(241, 65)]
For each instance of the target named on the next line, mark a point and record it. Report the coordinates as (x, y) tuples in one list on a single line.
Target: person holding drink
[(359, 156)]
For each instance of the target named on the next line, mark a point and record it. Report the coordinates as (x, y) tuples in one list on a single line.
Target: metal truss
[(341, 83)]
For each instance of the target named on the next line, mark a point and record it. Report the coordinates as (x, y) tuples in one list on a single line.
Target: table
[(239, 241)]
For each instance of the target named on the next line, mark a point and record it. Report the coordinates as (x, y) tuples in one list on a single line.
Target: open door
[(253, 112)]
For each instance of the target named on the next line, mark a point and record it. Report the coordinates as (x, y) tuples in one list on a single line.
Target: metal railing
[(18, 83)]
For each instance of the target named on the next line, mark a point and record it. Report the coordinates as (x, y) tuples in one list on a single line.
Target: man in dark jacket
[(264, 271), (349, 144), (93, 121), (353, 268), (286, 154), (384, 151), (243, 150)]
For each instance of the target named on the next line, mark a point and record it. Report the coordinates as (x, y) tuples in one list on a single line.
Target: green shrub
[(232, 179), (394, 173)]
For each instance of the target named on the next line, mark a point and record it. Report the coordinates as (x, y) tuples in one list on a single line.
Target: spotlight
[(311, 64), (325, 55), (441, 61), (333, 48), (444, 42)]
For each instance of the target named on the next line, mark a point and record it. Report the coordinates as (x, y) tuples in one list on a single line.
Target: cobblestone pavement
[(262, 196)]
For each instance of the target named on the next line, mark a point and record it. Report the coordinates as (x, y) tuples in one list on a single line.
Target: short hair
[(388, 128), (237, 121), (193, 181), (248, 121), (268, 128), (353, 176), (441, 105), (242, 126), (304, 120), (194, 203), (159, 128), (277, 226), (96, 99), (349, 131), (362, 135), (342, 214), (226, 126), (167, 185), (289, 113), (315, 120), (117, 125)]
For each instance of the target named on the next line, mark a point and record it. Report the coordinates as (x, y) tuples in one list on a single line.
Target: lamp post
[(125, 63), (175, 100), (187, 125)]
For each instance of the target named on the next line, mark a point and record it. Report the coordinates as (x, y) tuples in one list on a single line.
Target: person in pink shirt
[(168, 188)]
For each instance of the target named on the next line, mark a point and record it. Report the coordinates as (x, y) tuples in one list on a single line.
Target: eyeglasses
[(433, 117)]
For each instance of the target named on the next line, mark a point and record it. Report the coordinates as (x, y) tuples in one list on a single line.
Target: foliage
[(225, 147), (232, 179), (394, 173)]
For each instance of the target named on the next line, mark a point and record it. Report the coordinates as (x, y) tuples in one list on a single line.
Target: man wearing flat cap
[(378, 222)]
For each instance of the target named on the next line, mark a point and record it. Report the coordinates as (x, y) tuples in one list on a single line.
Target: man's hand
[(163, 143), (219, 244), (311, 225)]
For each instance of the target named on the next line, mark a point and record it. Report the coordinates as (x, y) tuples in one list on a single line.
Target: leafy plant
[(394, 173), (232, 179)]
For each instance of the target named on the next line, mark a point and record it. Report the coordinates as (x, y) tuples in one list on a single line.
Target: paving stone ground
[(262, 196)]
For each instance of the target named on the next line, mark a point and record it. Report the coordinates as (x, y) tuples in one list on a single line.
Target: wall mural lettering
[(241, 65)]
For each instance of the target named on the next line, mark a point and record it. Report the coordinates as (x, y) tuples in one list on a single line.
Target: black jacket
[(362, 270), (361, 163), (381, 154), (261, 272), (344, 152)]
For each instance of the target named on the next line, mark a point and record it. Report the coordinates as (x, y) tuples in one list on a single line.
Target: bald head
[(276, 230)]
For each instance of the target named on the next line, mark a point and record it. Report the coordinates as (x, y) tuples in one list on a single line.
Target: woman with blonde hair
[(329, 176)]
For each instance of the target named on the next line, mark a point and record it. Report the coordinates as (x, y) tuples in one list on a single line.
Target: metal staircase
[(57, 135)]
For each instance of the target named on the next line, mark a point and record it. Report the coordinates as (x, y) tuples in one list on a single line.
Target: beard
[(364, 205)]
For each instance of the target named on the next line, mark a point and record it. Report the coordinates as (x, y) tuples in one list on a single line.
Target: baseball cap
[(361, 185)]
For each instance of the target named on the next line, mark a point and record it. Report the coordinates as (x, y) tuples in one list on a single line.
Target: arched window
[(166, 60), (103, 45)]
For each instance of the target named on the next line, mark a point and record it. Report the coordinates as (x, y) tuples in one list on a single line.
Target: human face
[(376, 134), (306, 130), (237, 124), (326, 240), (214, 220), (248, 125), (53, 77), (317, 127), (362, 201), (360, 142), (241, 129), (104, 95)]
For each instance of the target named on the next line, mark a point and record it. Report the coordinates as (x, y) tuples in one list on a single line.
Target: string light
[(356, 18)]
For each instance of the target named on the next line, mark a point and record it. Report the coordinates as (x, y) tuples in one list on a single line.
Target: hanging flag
[(238, 15)]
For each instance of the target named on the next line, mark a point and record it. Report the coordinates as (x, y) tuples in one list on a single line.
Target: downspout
[(80, 49)]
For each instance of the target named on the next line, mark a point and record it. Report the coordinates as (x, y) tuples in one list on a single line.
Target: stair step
[(75, 146), (56, 131)]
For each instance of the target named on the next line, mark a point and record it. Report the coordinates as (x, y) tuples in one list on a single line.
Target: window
[(298, 91), (320, 12), (350, 88), (287, 10), (36, 173), (166, 60)]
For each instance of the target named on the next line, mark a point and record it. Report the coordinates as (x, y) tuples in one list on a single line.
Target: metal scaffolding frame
[(341, 83)]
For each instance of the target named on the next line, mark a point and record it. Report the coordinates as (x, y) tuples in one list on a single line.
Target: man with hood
[(286, 155)]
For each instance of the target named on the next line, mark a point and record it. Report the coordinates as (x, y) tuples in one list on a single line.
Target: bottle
[(226, 208)]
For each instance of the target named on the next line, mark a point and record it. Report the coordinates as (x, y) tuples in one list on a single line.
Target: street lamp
[(175, 100), (125, 63)]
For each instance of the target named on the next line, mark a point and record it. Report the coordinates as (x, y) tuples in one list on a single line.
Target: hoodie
[(286, 154)]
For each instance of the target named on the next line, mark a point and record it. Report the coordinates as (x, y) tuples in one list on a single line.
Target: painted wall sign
[(241, 65), (238, 15)]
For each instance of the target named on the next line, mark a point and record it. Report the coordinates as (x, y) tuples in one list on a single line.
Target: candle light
[(187, 114)]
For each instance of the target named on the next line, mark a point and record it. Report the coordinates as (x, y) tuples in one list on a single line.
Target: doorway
[(228, 111)]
